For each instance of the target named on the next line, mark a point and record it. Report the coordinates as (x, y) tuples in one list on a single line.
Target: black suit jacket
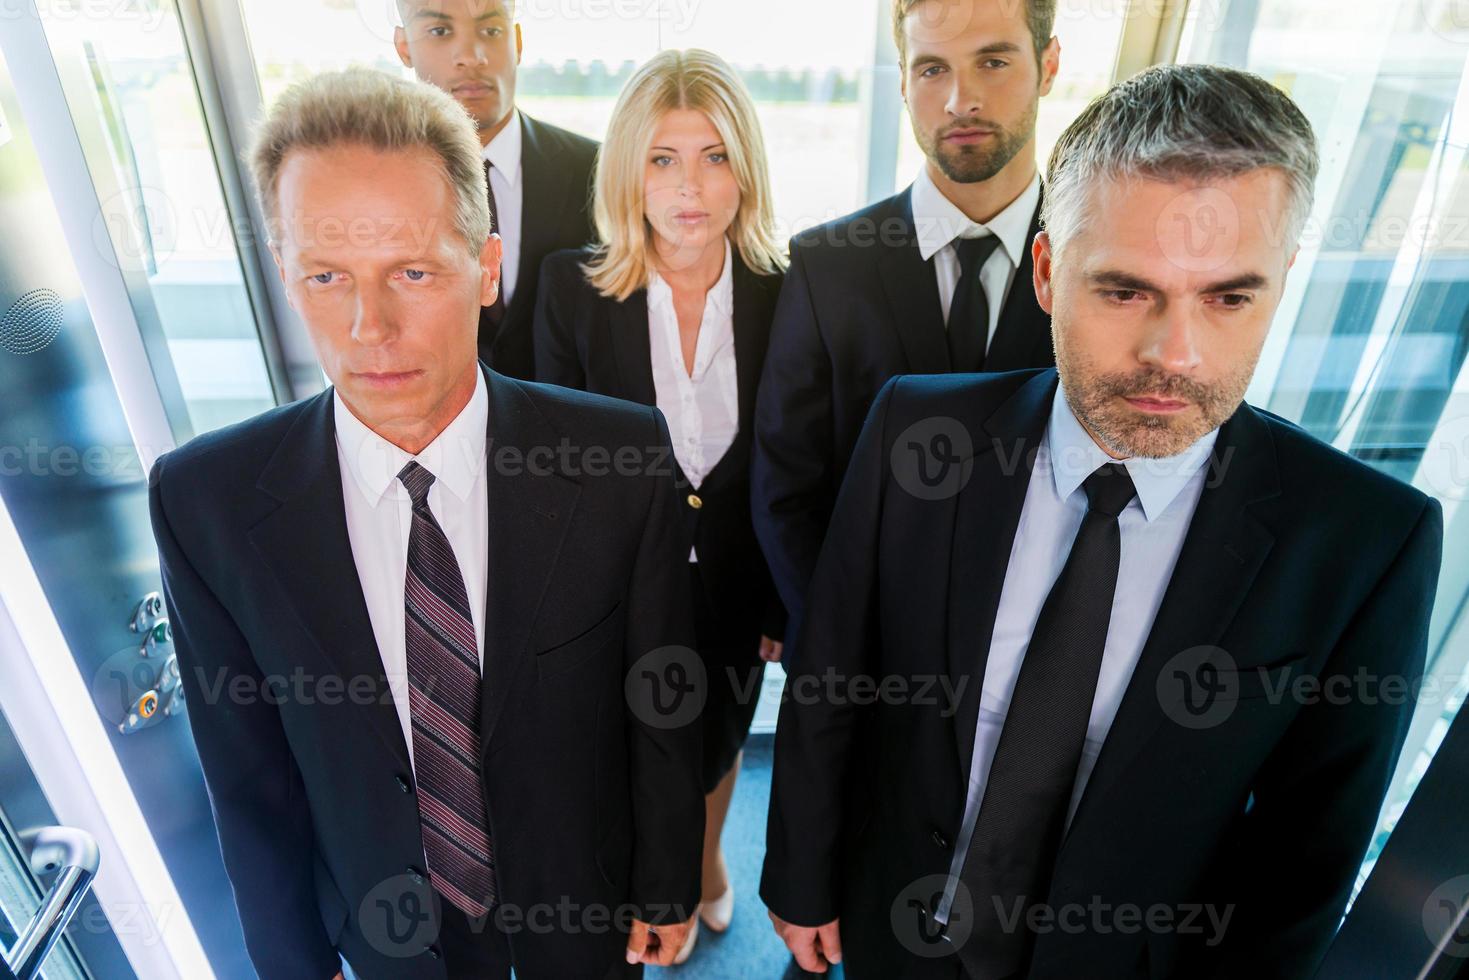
[(1300, 562), (859, 306), (312, 788), (585, 340), (557, 167)]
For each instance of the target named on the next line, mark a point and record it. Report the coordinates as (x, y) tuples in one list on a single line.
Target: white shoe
[(718, 913), (687, 949)]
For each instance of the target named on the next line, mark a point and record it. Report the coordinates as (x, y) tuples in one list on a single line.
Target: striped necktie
[(444, 704)]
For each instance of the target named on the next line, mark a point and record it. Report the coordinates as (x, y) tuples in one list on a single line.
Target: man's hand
[(656, 945), (339, 977), (813, 948), (770, 650)]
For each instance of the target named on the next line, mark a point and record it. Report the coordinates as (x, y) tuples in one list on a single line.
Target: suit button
[(695, 502), (415, 875), (403, 784), (941, 840)]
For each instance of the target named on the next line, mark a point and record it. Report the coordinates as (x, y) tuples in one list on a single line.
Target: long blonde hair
[(691, 79)]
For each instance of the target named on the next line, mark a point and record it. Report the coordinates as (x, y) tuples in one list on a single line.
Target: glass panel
[(1089, 32), (1368, 348), (131, 90)]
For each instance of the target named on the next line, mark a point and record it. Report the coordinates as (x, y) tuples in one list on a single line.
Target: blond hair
[(693, 79), (363, 107)]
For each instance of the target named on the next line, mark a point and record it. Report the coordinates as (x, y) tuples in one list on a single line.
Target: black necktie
[(1028, 792), (495, 312), (969, 313)]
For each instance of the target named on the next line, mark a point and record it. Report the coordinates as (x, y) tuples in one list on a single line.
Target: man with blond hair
[(405, 608)]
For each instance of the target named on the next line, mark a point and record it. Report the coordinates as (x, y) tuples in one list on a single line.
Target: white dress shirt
[(504, 152), (380, 517), (703, 408), (937, 221), (1152, 526)]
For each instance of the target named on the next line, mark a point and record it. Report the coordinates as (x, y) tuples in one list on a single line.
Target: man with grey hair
[(405, 609), (1157, 759)]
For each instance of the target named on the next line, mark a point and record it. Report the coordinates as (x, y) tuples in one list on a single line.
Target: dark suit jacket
[(585, 340), (859, 305), (557, 167), (312, 790), (1268, 807)]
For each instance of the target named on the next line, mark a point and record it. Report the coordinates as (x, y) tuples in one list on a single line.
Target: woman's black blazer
[(588, 341)]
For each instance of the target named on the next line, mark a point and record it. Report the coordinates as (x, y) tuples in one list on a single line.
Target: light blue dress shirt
[(1152, 527)]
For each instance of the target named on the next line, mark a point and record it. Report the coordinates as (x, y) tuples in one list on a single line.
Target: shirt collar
[(721, 295), (504, 150), (455, 457), (1074, 455), (938, 221)]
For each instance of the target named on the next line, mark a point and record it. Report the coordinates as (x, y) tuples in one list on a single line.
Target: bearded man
[(1171, 622), (932, 281)]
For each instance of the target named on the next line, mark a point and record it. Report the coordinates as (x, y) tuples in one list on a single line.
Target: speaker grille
[(32, 322)]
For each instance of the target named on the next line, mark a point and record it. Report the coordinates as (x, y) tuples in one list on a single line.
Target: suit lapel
[(913, 296), (531, 506), (306, 543), (543, 204), (987, 515), (1023, 332), (632, 349), (751, 335), (1223, 550)]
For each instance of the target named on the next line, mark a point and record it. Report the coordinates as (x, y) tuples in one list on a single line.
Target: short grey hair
[(363, 107), (1181, 122)]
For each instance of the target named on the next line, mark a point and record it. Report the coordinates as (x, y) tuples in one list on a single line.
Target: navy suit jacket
[(590, 801), (1223, 781), (585, 340), (557, 168), (859, 305)]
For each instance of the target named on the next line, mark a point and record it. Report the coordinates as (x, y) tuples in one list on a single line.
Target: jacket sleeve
[(557, 360), (664, 748), (792, 467), (818, 720), (255, 789), (1290, 869)]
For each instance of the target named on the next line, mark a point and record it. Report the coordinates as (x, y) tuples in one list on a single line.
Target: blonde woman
[(674, 310)]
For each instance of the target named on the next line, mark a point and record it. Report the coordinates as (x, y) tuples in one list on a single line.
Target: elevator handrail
[(75, 853)]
